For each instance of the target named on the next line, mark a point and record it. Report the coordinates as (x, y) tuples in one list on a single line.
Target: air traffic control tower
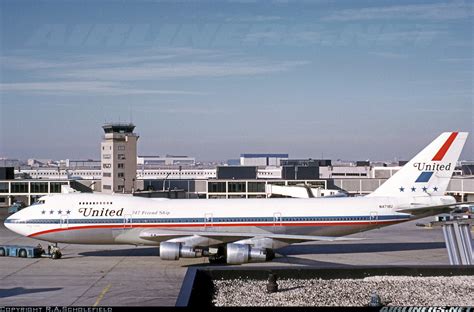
[(119, 158)]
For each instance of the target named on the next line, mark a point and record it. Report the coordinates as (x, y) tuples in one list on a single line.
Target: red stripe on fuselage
[(127, 226), (444, 149)]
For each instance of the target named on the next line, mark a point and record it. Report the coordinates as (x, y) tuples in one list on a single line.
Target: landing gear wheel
[(219, 258), (2, 252), (270, 255), (215, 259), (54, 251), (22, 253), (56, 254)]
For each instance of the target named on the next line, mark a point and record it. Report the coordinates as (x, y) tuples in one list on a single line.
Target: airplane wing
[(432, 210), (210, 238)]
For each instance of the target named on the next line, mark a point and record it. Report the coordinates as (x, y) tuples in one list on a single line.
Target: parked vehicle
[(53, 252)]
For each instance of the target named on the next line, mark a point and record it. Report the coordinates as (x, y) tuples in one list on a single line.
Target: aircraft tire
[(213, 260), (56, 255), (217, 259), (22, 253), (2, 252)]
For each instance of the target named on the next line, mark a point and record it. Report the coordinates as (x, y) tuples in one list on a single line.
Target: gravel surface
[(393, 291)]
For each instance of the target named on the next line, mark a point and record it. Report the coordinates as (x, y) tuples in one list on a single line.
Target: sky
[(353, 80)]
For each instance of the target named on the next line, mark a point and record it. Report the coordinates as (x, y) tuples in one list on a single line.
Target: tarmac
[(120, 275)]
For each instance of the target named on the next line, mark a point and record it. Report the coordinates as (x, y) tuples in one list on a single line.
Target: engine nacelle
[(243, 253), (173, 251)]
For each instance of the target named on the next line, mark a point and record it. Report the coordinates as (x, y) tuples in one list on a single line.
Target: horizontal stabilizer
[(434, 209)]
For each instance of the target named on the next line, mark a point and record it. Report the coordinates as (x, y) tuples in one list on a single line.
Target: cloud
[(436, 11), (254, 19), (147, 56), (453, 110), (84, 88), (182, 70), (389, 55), (457, 59), (185, 110), (120, 74)]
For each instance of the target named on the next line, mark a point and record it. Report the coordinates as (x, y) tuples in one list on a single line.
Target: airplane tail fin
[(429, 172)]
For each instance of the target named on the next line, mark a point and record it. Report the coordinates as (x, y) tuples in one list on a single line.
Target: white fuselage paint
[(119, 219)]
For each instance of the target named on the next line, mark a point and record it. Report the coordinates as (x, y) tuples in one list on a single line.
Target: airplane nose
[(8, 223), (11, 222)]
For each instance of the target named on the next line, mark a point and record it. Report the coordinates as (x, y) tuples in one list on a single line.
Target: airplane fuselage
[(116, 219)]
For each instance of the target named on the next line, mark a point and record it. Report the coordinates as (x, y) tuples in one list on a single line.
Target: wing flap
[(228, 237)]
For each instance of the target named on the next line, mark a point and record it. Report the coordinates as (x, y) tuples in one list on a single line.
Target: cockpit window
[(39, 202)]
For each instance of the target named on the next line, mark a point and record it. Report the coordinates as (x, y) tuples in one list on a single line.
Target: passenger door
[(374, 217), (208, 221), (127, 221), (64, 221), (277, 223)]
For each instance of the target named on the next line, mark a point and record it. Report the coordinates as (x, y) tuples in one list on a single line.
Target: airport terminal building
[(220, 182)]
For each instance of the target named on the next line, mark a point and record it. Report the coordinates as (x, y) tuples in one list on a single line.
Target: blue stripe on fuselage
[(219, 220)]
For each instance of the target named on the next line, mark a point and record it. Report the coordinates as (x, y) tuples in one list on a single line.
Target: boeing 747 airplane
[(237, 231)]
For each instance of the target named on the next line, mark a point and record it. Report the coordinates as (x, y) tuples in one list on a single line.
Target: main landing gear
[(219, 257), (54, 251)]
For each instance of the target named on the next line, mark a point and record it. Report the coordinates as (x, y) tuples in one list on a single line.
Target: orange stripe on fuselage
[(128, 226)]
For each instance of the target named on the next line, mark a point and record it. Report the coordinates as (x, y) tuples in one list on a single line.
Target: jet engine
[(174, 251), (243, 253)]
